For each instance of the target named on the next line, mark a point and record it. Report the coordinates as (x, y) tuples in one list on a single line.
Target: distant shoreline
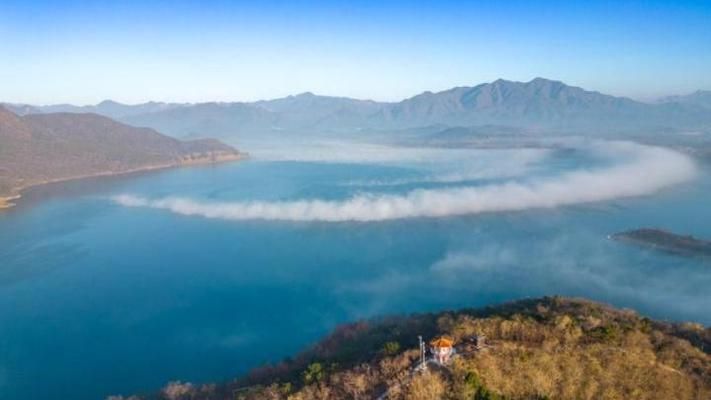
[(7, 202)]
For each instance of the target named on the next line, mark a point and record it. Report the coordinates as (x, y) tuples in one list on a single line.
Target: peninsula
[(44, 148)]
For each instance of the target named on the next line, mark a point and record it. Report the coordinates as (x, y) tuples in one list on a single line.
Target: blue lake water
[(97, 298)]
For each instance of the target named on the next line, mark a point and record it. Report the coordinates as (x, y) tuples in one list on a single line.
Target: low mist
[(634, 170)]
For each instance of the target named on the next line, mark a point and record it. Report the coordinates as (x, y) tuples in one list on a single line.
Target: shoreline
[(7, 202)]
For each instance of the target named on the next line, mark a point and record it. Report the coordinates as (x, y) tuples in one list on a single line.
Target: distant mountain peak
[(539, 79), (109, 102), (305, 94), (699, 98), (701, 93)]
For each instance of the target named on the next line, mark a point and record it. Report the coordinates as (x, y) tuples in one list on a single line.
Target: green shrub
[(391, 348), (480, 392), (605, 334), (314, 373)]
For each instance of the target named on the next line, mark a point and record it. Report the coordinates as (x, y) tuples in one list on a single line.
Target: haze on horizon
[(85, 52)]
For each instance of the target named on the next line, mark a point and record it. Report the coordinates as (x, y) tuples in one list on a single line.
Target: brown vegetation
[(550, 348), (45, 148)]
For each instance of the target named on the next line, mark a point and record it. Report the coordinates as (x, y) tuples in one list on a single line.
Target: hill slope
[(42, 148), (549, 348), (700, 98), (540, 102), (218, 119)]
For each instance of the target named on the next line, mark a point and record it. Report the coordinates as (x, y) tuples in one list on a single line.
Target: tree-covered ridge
[(553, 347)]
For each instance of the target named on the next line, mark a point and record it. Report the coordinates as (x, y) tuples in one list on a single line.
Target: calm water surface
[(99, 299)]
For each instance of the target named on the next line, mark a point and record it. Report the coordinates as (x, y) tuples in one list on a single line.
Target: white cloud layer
[(352, 152), (639, 170), (461, 165)]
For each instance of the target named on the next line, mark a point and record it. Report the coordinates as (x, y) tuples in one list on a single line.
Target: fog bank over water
[(353, 151), (633, 170), (165, 294), (576, 264)]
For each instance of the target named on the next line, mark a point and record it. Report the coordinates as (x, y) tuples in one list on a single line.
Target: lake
[(118, 285)]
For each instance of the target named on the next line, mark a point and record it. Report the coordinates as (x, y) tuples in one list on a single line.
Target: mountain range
[(700, 98), (538, 105)]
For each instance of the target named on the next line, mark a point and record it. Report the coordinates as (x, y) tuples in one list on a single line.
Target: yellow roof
[(442, 341)]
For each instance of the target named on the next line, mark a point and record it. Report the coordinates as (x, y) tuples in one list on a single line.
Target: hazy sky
[(84, 52)]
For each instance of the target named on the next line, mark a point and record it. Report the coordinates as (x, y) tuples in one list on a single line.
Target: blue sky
[(131, 51)]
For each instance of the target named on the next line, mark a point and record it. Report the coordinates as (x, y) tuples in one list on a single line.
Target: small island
[(658, 239)]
